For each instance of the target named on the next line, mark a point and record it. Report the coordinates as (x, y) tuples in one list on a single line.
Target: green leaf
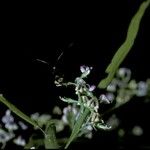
[(19, 113), (82, 117), (36, 143), (50, 138), (125, 47)]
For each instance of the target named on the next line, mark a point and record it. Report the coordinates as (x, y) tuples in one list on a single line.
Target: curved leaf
[(126, 46)]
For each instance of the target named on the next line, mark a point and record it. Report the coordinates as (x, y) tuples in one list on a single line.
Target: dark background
[(86, 33)]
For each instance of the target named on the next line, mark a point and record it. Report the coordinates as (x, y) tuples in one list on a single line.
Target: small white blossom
[(132, 84), (22, 125), (89, 127), (104, 99), (85, 70), (5, 136), (64, 119), (11, 126), (35, 116), (111, 87), (124, 73), (74, 110), (59, 125), (110, 97), (19, 141), (92, 88), (66, 111), (7, 118), (57, 110), (142, 88)]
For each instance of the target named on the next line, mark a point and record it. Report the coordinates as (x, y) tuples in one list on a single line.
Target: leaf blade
[(126, 46), (77, 126), (19, 113)]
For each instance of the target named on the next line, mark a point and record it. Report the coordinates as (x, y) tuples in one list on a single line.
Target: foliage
[(125, 47), (82, 114)]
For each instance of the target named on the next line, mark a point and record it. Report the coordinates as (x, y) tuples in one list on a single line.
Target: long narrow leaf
[(77, 126), (18, 112), (126, 46)]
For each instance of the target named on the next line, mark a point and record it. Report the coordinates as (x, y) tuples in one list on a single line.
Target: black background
[(87, 33)]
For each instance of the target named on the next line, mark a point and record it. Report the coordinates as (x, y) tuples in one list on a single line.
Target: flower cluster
[(125, 87), (8, 132)]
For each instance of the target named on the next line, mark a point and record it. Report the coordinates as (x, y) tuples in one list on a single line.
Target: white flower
[(59, 125), (22, 125), (85, 70), (111, 87), (35, 116), (110, 97), (124, 73), (64, 119), (8, 118), (11, 126), (5, 136), (57, 110), (67, 111), (92, 88), (132, 84), (43, 119), (19, 141), (142, 88), (89, 127), (80, 81), (104, 99), (74, 110)]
